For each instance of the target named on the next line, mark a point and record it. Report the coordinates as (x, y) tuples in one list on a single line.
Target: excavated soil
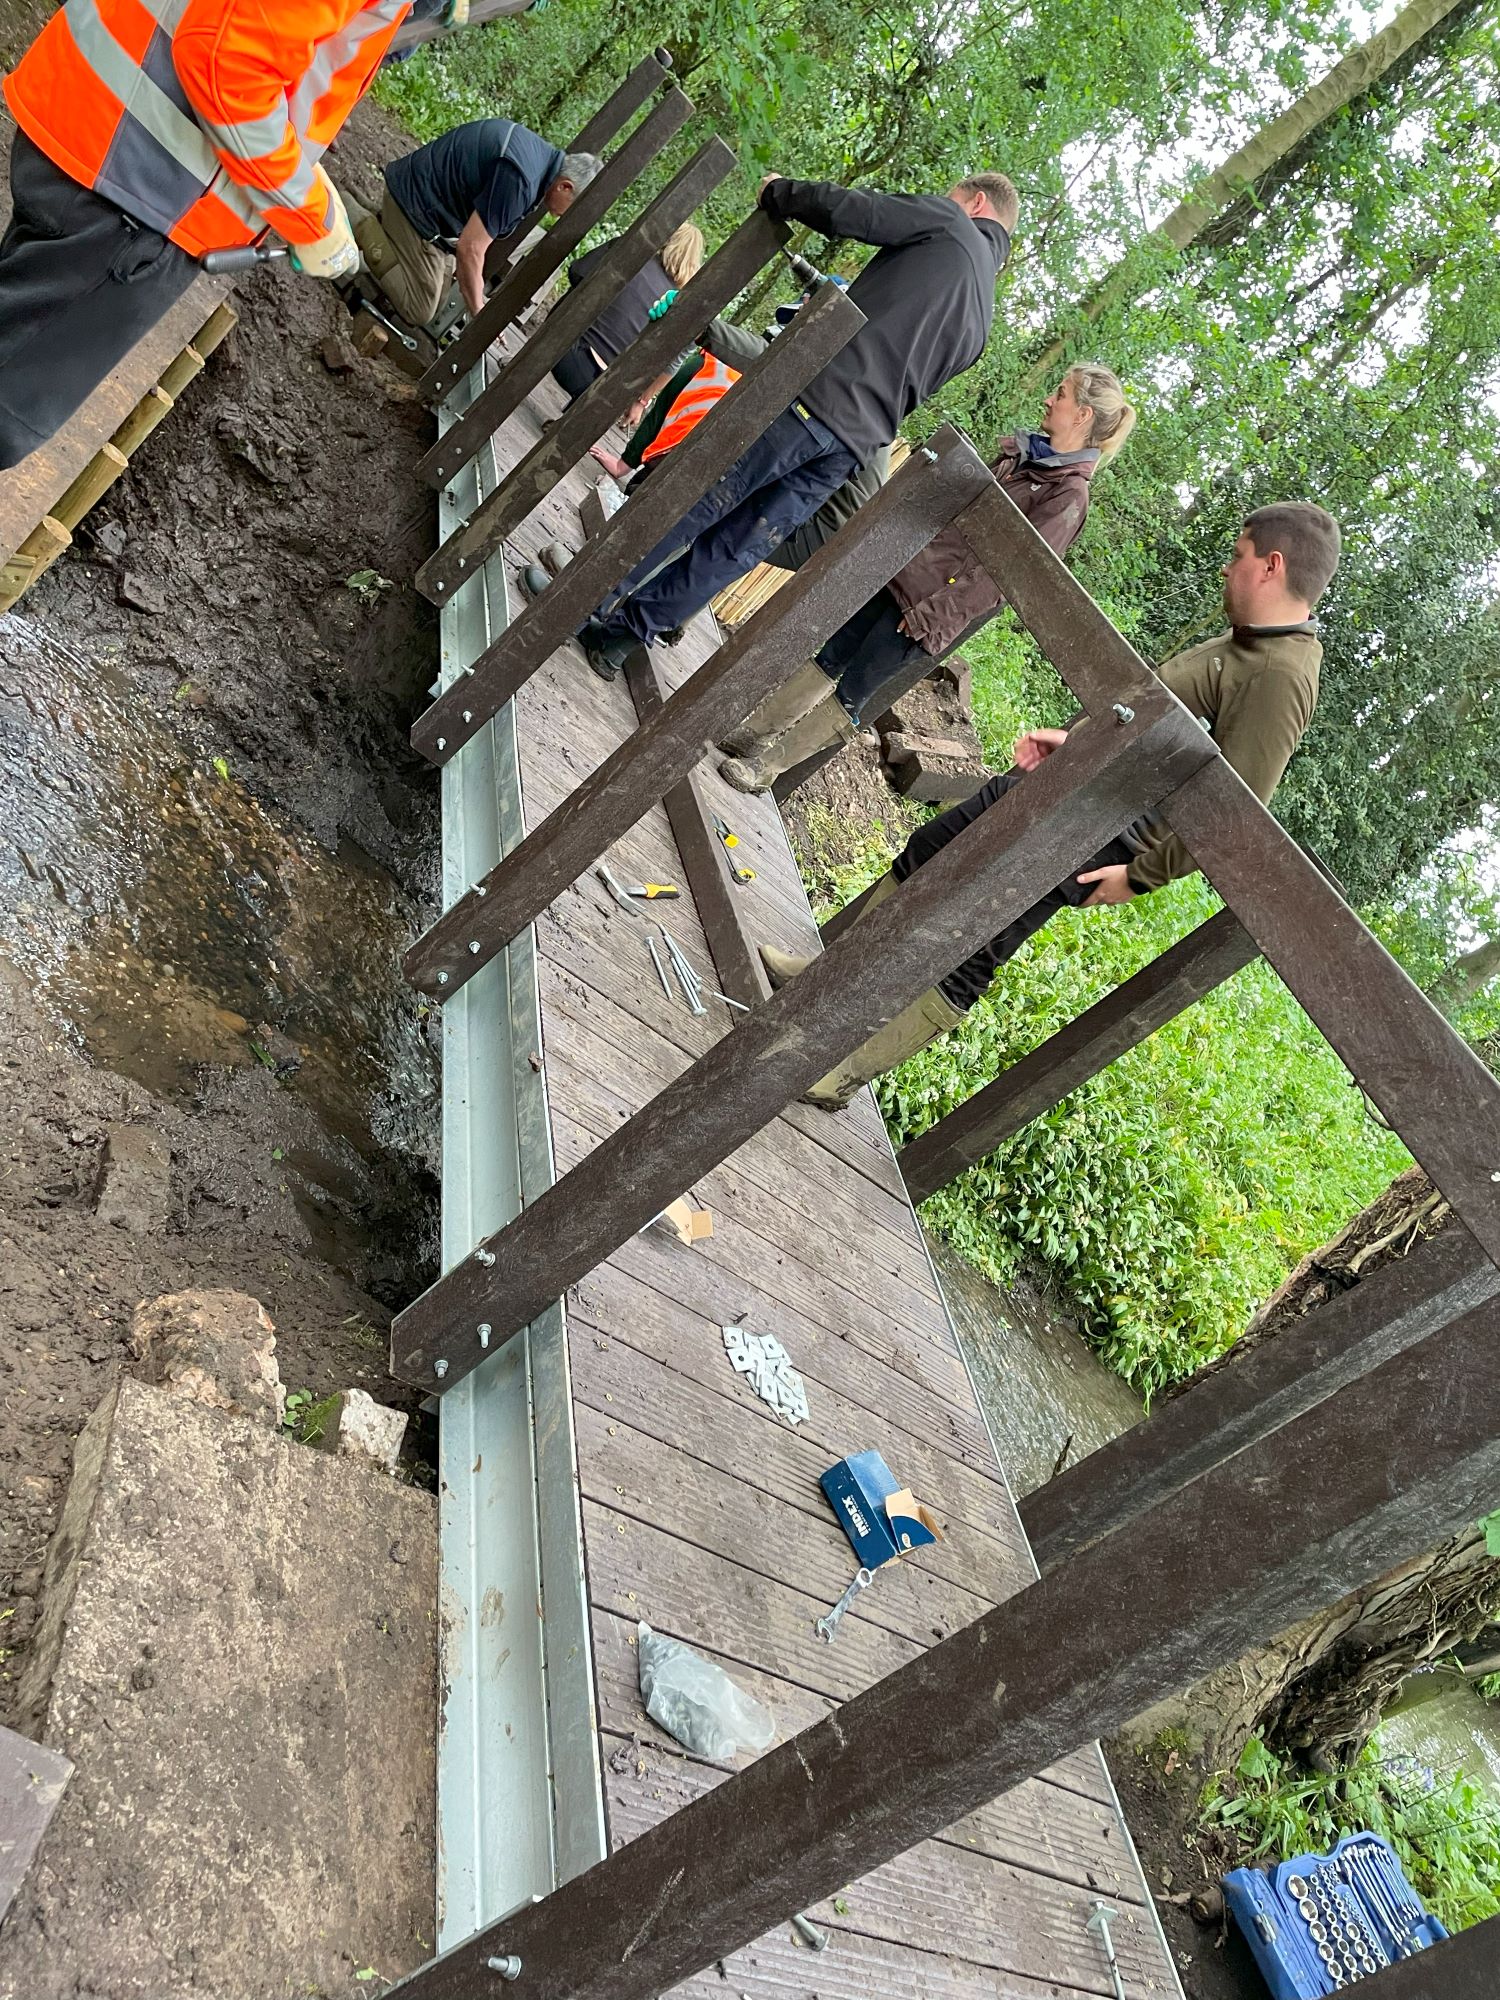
[(215, 842)]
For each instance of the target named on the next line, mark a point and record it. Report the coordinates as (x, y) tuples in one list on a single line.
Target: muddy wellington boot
[(930, 1015), (781, 708), (826, 727)]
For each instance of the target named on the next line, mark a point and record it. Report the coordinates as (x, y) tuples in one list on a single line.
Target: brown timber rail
[(1272, 1460), (1077, 1654)]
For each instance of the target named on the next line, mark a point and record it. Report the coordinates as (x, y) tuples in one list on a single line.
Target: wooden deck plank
[(689, 1410), (701, 1510)]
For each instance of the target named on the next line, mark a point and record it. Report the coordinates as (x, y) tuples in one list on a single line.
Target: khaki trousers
[(930, 1015), (412, 272)]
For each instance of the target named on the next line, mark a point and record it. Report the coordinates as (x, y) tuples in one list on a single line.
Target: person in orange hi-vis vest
[(150, 132)]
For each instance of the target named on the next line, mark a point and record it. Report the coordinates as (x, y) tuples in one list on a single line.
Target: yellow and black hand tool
[(653, 892), (731, 841)]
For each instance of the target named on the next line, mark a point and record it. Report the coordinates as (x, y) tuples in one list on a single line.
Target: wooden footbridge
[(934, 1798)]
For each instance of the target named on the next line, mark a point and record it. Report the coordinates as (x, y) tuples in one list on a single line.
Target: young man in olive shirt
[(1255, 686)]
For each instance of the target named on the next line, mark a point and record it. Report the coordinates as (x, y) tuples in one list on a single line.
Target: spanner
[(827, 1625)]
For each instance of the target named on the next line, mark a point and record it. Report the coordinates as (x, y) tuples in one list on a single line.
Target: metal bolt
[(929, 454), (440, 1368), (480, 890), (809, 1933), (475, 947), (1495, 1177), (1099, 1917), (442, 743), (1122, 713), (508, 1968), (468, 715), (463, 562), (442, 979), (485, 1257), (441, 588), (484, 1333)]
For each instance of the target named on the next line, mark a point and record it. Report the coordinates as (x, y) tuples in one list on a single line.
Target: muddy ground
[(214, 843)]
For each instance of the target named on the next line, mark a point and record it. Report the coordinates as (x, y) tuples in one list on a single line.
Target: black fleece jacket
[(928, 298)]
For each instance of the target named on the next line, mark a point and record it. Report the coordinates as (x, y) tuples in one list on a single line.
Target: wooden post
[(177, 374), (1193, 966), (1431, 1087), (1308, 1514), (576, 313), (521, 283), (1103, 776), (91, 485), (767, 388), (142, 421), (38, 552), (216, 329), (1254, 1393), (705, 861), (559, 449), (927, 492)]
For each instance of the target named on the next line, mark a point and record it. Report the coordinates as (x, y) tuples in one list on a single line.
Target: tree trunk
[(1467, 977), (1320, 1688), (1253, 171)]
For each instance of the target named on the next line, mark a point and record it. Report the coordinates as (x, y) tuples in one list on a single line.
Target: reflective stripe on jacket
[(693, 405), (204, 119)]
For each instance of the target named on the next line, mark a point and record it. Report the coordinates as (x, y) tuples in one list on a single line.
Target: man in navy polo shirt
[(466, 189)]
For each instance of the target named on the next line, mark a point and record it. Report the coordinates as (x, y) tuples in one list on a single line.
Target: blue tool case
[(1321, 1922)]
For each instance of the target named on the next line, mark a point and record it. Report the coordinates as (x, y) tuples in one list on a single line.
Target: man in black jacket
[(928, 297)]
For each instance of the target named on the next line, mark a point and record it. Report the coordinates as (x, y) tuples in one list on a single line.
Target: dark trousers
[(971, 980), (80, 283), (867, 652), (785, 476), (576, 370)]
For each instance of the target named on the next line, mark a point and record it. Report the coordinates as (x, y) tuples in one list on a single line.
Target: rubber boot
[(781, 965), (929, 1016), (780, 709), (826, 727)]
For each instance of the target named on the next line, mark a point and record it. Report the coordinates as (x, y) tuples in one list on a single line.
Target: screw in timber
[(442, 979), (929, 454), (484, 1333), (440, 1368), (1122, 713), (475, 947), (468, 715), (442, 743), (508, 1968), (485, 1257)]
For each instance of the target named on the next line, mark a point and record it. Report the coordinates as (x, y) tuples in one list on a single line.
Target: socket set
[(1322, 1922)]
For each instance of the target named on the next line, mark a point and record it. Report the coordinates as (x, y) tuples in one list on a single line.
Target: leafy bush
[(1445, 1829)]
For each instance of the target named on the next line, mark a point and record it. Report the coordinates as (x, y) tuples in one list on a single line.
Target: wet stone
[(138, 594), (134, 1188)]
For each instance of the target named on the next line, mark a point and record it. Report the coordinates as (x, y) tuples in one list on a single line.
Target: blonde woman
[(928, 606), (627, 313)]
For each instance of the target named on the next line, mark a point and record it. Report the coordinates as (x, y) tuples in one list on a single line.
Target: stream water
[(1445, 1725), (178, 925)]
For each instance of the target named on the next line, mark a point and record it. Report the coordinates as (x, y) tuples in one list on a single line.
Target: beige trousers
[(412, 272)]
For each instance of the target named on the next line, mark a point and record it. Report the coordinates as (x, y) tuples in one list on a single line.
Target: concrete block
[(134, 1189), (354, 1425), (957, 677), (216, 1348), (237, 1650)]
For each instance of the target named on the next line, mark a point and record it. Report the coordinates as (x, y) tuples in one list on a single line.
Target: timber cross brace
[(1272, 1461)]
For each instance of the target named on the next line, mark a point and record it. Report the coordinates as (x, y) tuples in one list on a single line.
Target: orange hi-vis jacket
[(204, 119), (692, 405)]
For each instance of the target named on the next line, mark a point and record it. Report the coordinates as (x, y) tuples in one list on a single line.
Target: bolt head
[(442, 743), (468, 715), (474, 947), (440, 1368), (484, 1333), (442, 979)]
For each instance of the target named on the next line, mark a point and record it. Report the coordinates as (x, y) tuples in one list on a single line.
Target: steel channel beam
[(721, 906), (1295, 1523), (520, 284), (647, 358), (1252, 1394), (1433, 1090), (1181, 976), (922, 497), (1097, 782), (572, 317), (520, 1795), (763, 392)]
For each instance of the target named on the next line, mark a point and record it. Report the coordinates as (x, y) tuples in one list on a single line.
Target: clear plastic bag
[(697, 1702)]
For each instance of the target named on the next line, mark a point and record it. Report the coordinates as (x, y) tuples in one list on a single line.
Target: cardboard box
[(882, 1519)]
